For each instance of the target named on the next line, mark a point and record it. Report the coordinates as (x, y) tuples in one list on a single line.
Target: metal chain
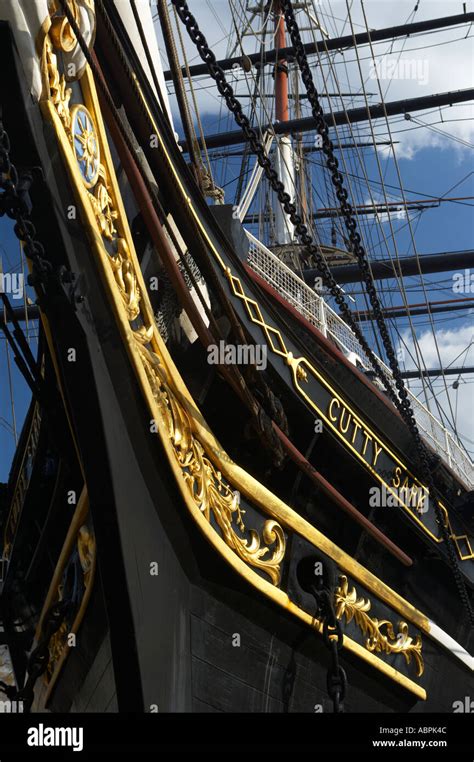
[(252, 137), (14, 202), (333, 637), (350, 221), (401, 402)]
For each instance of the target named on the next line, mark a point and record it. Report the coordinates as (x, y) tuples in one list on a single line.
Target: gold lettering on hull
[(208, 492), (410, 492)]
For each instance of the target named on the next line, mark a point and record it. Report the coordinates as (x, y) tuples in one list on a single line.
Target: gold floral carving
[(86, 550), (210, 492), (103, 206), (56, 647), (381, 637), (126, 280), (60, 94), (218, 502), (99, 196), (61, 32)]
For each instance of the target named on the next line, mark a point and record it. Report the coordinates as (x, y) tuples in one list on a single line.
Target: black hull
[(167, 641)]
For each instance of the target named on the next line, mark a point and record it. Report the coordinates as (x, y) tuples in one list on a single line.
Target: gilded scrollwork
[(82, 559), (59, 93), (102, 204), (126, 279), (64, 38), (209, 491), (60, 31), (81, 131), (211, 494), (380, 635)]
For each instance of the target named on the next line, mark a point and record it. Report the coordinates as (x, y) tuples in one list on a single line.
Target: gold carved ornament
[(59, 93), (86, 550), (190, 452), (81, 132), (381, 637), (210, 492), (205, 485)]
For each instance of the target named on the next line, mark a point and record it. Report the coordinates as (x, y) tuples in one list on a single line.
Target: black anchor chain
[(401, 401)]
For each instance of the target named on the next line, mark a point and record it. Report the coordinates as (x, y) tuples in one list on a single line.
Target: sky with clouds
[(434, 160), (432, 163)]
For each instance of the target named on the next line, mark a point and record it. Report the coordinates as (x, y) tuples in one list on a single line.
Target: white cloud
[(441, 67)]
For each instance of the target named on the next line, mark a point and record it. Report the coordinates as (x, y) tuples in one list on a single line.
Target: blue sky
[(430, 164), (10, 255), (449, 227)]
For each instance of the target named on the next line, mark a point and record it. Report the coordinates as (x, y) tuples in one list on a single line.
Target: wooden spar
[(434, 372), (448, 305), (337, 43), (447, 261), (353, 115), (283, 157)]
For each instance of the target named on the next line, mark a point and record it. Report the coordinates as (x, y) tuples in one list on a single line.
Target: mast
[(284, 164)]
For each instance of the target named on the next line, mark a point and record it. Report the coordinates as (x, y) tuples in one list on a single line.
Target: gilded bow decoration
[(83, 558), (218, 502), (352, 607), (208, 489)]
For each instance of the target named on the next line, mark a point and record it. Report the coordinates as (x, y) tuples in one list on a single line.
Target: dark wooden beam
[(448, 305), (337, 43), (353, 115), (447, 261)]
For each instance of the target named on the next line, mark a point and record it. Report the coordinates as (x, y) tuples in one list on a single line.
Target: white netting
[(317, 312)]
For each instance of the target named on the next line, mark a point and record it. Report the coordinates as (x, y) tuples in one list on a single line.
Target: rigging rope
[(410, 228), (402, 402)]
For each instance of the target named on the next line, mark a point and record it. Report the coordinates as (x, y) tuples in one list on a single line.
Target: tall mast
[(284, 164)]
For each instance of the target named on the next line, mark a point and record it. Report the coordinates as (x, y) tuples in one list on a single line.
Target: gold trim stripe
[(252, 489), (240, 293), (256, 492)]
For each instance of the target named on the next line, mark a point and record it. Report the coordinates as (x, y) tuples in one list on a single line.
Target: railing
[(21, 486), (318, 313)]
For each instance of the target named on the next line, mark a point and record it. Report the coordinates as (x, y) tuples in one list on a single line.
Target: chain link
[(333, 637), (401, 401), (350, 221), (253, 138), (15, 204)]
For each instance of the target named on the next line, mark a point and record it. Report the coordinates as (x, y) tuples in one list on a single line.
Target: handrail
[(22, 484), (316, 311)]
